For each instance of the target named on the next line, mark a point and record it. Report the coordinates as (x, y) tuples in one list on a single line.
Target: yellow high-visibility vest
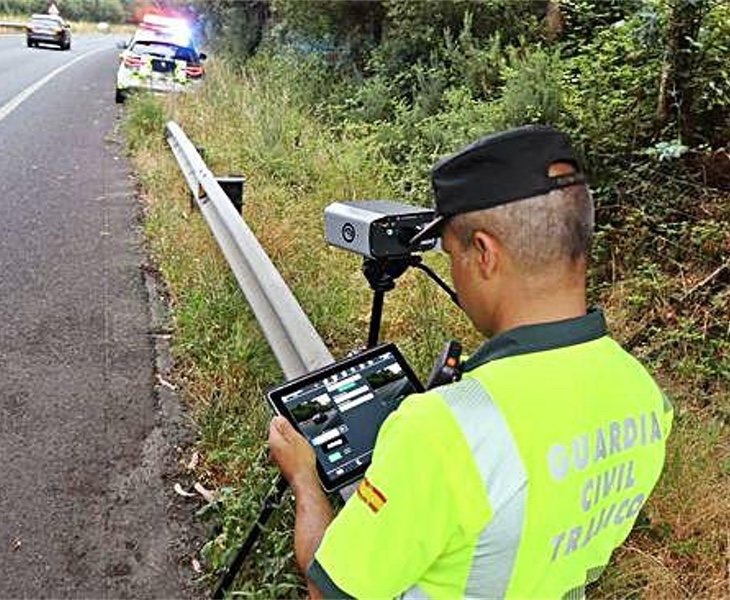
[(518, 481)]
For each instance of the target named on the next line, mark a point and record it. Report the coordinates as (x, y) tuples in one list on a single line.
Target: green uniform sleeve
[(391, 529)]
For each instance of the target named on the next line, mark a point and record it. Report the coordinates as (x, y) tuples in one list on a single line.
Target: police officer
[(520, 479)]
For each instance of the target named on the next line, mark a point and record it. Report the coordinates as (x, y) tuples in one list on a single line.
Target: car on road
[(320, 418), (48, 29), (160, 62)]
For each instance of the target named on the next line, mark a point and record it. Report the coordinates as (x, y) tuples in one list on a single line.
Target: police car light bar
[(176, 28)]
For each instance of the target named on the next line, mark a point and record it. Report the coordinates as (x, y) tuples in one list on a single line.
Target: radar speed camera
[(377, 228)]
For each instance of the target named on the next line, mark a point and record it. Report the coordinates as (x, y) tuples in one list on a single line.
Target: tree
[(677, 83)]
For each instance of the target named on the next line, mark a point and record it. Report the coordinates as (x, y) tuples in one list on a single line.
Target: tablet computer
[(340, 408)]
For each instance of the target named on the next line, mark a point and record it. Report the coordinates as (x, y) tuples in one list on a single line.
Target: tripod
[(381, 275)]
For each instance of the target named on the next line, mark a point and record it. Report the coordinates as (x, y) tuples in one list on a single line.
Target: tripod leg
[(271, 503), (376, 315)]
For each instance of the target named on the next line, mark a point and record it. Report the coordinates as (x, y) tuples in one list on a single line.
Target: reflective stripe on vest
[(504, 477), (590, 425)]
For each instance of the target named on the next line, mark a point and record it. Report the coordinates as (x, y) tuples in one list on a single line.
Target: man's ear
[(488, 253)]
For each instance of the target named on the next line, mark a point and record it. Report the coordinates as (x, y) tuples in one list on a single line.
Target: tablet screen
[(340, 409)]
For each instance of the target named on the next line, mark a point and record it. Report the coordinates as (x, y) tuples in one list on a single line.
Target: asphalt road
[(87, 440)]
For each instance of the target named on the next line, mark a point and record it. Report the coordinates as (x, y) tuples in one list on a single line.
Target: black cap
[(500, 168)]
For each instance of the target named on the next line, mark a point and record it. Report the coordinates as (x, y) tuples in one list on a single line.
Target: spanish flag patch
[(370, 495)]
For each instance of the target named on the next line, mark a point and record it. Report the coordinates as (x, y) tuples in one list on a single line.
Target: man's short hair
[(537, 232)]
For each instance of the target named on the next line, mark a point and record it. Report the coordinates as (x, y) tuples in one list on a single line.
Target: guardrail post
[(233, 186), (297, 346)]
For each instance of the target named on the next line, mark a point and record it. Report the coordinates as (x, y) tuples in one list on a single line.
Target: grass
[(295, 166)]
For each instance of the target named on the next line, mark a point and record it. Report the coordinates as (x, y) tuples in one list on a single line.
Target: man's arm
[(396, 525), (296, 460), (313, 516)]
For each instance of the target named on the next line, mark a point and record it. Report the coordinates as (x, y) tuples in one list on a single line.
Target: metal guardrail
[(296, 344), (12, 25)]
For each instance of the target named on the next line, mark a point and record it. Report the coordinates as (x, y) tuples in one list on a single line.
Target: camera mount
[(381, 274)]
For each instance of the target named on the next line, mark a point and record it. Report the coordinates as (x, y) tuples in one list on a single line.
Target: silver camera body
[(377, 228)]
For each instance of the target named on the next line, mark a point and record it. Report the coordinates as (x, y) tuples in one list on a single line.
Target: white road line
[(12, 104)]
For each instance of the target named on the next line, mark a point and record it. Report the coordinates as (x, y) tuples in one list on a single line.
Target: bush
[(533, 89), (610, 91), (22, 7), (711, 108)]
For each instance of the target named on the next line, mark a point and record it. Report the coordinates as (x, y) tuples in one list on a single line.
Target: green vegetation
[(325, 110)]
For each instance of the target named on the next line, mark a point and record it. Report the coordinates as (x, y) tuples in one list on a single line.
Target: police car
[(161, 58)]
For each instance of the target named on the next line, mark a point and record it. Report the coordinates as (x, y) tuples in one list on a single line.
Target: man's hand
[(293, 454), (297, 463)]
